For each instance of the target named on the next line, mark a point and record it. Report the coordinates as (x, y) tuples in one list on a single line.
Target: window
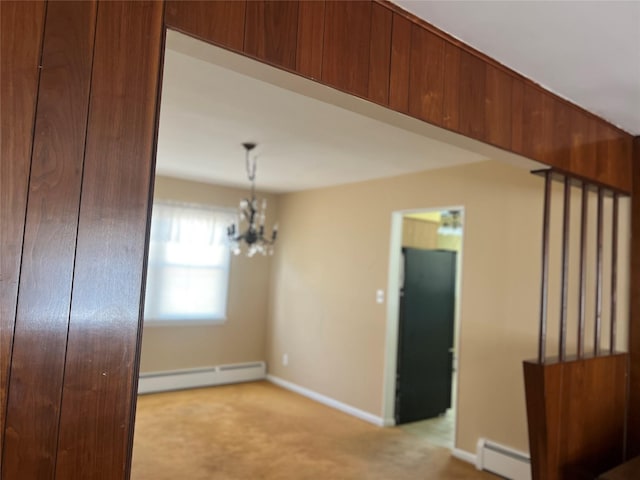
[(188, 271)]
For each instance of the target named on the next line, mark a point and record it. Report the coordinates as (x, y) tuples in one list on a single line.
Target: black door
[(427, 310)]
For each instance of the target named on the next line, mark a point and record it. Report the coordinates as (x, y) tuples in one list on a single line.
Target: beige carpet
[(260, 431)]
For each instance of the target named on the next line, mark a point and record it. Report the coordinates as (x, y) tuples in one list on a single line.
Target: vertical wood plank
[(633, 420), (532, 123), (498, 107), (310, 38), (560, 131), (605, 152), (49, 241), (216, 21), (20, 55), (451, 104), (472, 96), (426, 75), (380, 54), (100, 378), (517, 104), (271, 31), (345, 53), (400, 57), (582, 151)]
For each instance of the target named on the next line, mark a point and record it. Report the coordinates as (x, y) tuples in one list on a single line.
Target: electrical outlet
[(285, 359), (379, 296)]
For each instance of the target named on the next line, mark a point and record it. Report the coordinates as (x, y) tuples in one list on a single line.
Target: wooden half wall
[(80, 84), (577, 409)]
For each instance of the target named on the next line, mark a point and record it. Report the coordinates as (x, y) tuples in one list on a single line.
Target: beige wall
[(334, 254), (242, 337)]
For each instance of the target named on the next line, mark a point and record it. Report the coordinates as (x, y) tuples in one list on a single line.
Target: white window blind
[(188, 268)]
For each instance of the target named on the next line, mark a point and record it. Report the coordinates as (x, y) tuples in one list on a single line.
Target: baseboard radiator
[(503, 461), (201, 377)]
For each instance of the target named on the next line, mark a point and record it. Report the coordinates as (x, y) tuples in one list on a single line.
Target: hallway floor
[(437, 431), (260, 431)]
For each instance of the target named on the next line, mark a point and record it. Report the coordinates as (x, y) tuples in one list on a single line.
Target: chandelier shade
[(248, 233)]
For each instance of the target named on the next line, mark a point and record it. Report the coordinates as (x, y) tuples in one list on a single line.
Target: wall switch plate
[(379, 296), (285, 359)]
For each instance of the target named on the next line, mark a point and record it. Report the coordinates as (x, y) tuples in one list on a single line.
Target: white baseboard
[(201, 377), (328, 401), (465, 456)]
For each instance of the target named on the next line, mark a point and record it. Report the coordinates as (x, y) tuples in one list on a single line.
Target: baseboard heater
[(201, 377), (503, 461)]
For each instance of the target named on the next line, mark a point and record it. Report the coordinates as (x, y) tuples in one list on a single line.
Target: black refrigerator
[(426, 334)]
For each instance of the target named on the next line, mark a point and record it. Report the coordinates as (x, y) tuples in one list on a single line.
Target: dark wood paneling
[(380, 54), (634, 324), (517, 105), (49, 241), (99, 383), (21, 30), (220, 22), (472, 96), (310, 38), (450, 103), (271, 32), (400, 55), (426, 76), (345, 54), (576, 416), (498, 107)]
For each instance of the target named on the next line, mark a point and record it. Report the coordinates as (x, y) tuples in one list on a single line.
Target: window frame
[(174, 322)]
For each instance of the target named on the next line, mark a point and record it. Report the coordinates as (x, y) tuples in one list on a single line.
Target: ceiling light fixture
[(450, 223), (252, 238)]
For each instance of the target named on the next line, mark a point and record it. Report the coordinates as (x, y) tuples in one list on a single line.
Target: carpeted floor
[(260, 431)]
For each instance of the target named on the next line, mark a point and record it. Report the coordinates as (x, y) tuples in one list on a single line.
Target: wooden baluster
[(545, 267), (598, 326), (583, 267), (566, 214)]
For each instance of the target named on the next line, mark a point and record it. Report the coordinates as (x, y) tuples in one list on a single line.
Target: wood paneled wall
[(378, 52), (79, 89), (86, 183), (634, 328), (579, 409)]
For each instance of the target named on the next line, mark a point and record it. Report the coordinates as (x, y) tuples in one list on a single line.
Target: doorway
[(423, 319)]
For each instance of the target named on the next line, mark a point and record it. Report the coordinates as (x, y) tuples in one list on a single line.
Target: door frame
[(393, 311)]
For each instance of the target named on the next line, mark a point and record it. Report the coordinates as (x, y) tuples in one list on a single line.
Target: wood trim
[(49, 246), (633, 441), (20, 56)]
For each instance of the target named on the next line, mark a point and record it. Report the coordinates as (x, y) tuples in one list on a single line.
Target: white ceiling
[(208, 110), (585, 51)]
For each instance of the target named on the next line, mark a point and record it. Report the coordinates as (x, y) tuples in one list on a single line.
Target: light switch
[(379, 296)]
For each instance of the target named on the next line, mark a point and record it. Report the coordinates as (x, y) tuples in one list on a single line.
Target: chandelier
[(451, 223), (252, 239)]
